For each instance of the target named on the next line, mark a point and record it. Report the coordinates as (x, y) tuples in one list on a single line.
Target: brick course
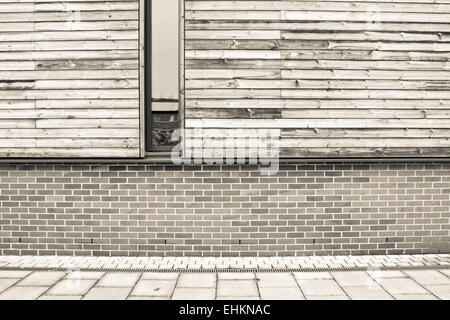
[(156, 210)]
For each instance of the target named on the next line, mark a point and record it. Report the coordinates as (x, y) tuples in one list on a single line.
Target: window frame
[(146, 78)]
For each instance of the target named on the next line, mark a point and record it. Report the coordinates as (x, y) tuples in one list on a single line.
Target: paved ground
[(419, 284), (159, 263)]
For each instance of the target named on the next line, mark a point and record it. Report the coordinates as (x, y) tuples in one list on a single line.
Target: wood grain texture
[(337, 78), (69, 78)]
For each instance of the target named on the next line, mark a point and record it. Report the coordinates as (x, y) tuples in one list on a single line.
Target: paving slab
[(236, 276), (197, 280), (312, 275), (281, 293), (320, 288), (428, 277), (152, 288), (45, 297), (441, 291), (415, 297), (147, 298), (340, 297), (397, 286), (238, 298), (23, 293), (42, 279), (71, 287), (85, 275), (367, 293), (446, 272), (237, 288), (119, 279), (194, 294), (13, 274), (160, 276), (358, 278), (276, 280), (386, 274), (6, 283), (107, 293)]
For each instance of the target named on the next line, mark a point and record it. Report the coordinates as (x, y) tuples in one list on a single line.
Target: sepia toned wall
[(165, 210), (325, 76), (69, 79), (336, 78)]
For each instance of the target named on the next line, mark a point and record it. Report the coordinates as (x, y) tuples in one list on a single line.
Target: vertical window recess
[(162, 72)]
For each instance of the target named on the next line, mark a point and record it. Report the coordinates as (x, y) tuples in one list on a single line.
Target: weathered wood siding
[(69, 78), (336, 78)]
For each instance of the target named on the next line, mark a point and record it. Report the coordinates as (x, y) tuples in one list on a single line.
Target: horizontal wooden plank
[(362, 133), (226, 63), (363, 65), (316, 74), (228, 103), (87, 143), (69, 36), (316, 94), (319, 123), (70, 114), (365, 55), (420, 152), (33, 6), (107, 153), (69, 45), (23, 123), (17, 104), (235, 93), (233, 34), (235, 113), (232, 15), (232, 74), (85, 25), (240, 143), (347, 6), (69, 133), (69, 75), (86, 123), (365, 94), (316, 133), (305, 26), (69, 55), (318, 64), (68, 16), (318, 16), (318, 84), (69, 84), (315, 44), (365, 16), (70, 94), (267, 113), (227, 133), (69, 143), (85, 104), (232, 54)]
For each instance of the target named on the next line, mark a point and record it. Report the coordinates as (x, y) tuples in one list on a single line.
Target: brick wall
[(306, 209)]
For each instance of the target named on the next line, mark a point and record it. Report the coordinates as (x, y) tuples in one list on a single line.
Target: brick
[(369, 202)]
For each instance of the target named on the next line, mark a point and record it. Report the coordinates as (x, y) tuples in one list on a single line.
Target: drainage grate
[(384, 268)]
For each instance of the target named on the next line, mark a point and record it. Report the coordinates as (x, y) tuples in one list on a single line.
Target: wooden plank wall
[(69, 79), (332, 80)]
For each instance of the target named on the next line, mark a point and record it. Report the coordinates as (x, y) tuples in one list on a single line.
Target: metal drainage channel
[(369, 268)]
